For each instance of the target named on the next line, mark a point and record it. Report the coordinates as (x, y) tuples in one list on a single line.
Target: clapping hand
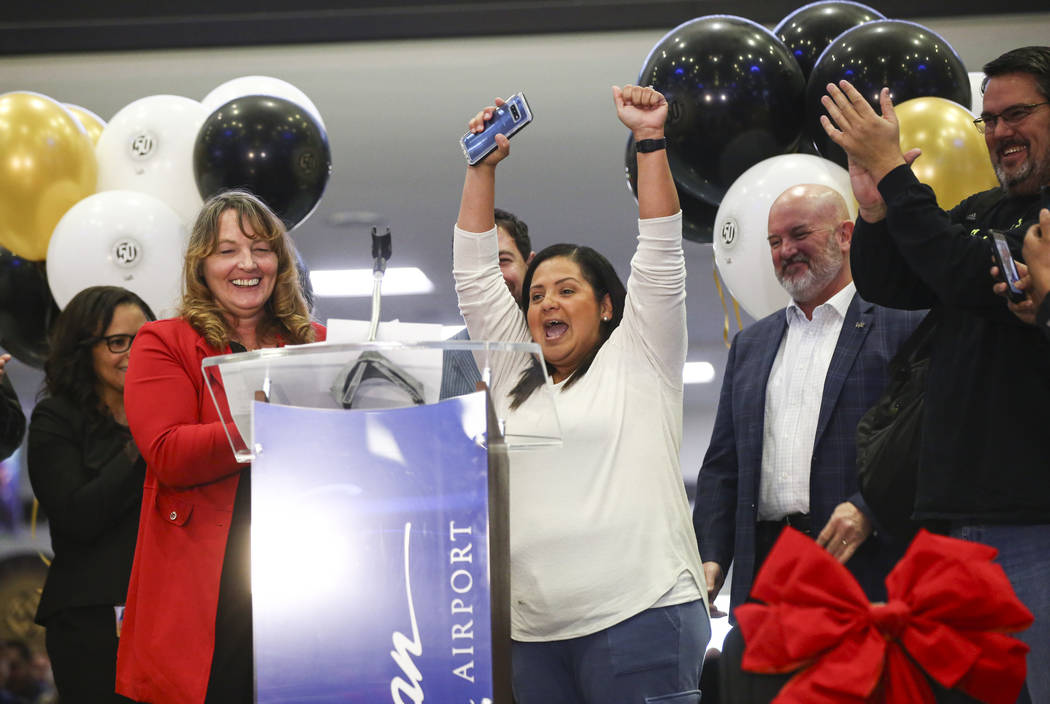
[(871, 141)]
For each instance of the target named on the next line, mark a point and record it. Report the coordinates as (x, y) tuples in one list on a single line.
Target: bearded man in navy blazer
[(783, 448)]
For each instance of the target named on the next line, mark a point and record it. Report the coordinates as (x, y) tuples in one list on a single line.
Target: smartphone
[(1007, 269), (508, 119)]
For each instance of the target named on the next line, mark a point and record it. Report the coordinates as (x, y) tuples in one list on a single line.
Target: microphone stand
[(371, 364)]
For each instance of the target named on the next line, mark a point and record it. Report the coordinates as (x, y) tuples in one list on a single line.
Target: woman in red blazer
[(186, 637)]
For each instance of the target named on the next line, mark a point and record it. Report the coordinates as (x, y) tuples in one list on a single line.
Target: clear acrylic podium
[(306, 374), (380, 541)]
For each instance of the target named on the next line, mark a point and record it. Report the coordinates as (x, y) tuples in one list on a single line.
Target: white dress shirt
[(793, 398)]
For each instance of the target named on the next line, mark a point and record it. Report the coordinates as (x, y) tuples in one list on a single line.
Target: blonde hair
[(287, 312)]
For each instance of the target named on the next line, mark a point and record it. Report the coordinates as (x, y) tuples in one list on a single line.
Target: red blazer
[(168, 636)]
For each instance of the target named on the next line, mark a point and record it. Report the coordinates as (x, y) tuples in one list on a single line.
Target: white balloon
[(148, 147), (741, 226), (259, 85), (977, 100), (119, 238)]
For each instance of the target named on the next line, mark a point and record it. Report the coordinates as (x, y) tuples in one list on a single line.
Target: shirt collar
[(839, 303)]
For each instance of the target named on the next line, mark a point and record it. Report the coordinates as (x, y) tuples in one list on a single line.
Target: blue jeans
[(651, 658), (1024, 554)]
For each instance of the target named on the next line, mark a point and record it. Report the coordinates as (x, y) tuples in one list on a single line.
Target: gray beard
[(821, 272), (803, 287), (1010, 185)]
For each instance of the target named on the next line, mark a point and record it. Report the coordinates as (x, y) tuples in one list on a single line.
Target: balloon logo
[(729, 228), (126, 252), (674, 112), (119, 238), (307, 162), (142, 146), (148, 148)]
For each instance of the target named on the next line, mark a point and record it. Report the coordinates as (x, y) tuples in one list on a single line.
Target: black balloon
[(27, 309), (266, 145), (909, 59), (698, 217), (735, 98), (809, 30)]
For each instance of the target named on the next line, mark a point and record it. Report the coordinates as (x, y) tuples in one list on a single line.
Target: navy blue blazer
[(726, 508)]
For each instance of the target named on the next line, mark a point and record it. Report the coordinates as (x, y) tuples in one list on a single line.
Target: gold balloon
[(47, 164), (954, 161), (91, 122)]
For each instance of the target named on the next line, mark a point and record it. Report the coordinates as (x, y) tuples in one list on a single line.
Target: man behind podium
[(459, 371), (187, 634)]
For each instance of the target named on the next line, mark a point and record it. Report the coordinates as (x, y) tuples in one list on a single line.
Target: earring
[(605, 318)]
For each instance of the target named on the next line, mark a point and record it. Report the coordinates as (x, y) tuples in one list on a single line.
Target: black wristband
[(644, 146)]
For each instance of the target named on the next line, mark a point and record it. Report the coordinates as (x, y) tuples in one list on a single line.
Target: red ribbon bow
[(948, 612)]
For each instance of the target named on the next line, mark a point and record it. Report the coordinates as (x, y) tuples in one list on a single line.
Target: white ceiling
[(394, 112)]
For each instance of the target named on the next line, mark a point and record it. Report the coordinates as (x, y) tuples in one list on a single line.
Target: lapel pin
[(859, 324)]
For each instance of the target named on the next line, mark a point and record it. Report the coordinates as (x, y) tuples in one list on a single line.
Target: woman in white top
[(606, 602)]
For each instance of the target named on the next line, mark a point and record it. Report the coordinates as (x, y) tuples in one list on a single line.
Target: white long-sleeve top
[(600, 527)]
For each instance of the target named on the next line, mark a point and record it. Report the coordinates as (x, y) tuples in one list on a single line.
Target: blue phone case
[(508, 119)]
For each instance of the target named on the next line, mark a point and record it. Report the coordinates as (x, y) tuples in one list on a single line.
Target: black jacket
[(985, 452), (91, 492)]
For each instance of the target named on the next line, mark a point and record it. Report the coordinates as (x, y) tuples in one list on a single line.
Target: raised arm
[(479, 185), (871, 141), (945, 260), (654, 317), (486, 304), (644, 111)]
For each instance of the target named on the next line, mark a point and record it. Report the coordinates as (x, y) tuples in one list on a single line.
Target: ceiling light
[(349, 283), (698, 373)]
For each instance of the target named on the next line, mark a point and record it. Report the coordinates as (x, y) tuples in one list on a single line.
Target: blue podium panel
[(370, 554)]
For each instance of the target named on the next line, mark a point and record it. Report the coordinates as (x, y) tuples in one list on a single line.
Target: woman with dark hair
[(187, 634), (87, 474), (607, 602)]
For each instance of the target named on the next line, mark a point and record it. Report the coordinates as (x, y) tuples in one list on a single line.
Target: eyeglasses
[(1011, 116), (115, 343)]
